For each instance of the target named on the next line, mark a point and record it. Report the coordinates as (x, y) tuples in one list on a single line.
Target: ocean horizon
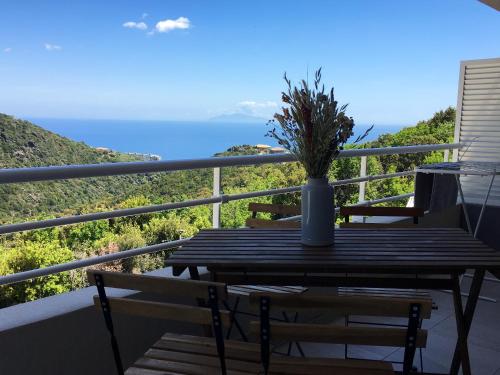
[(173, 139)]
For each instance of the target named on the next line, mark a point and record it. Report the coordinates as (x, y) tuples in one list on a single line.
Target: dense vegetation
[(24, 144)]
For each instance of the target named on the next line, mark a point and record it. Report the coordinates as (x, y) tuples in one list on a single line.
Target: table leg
[(464, 205), (195, 275), (467, 316), (461, 330), (484, 206), (467, 219)]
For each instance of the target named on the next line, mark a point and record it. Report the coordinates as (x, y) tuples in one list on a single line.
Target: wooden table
[(386, 257)]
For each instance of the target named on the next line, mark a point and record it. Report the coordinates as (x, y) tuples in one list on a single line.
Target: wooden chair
[(410, 338), (276, 209), (409, 295), (175, 353), (410, 212), (244, 291)]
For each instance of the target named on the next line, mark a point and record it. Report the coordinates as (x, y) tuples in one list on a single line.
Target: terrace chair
[(409, 338), (176, 353), (244, 291), (279, 210), (409, 212), (409, 295)]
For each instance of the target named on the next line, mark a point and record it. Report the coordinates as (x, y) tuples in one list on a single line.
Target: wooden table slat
[(363, 249)]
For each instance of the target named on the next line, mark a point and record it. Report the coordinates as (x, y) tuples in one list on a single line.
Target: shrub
[(32, 255), (164, 229)]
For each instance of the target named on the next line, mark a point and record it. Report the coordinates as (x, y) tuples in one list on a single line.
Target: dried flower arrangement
[(312, 126)]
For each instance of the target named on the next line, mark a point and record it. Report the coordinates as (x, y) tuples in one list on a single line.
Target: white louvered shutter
[(478, 117)]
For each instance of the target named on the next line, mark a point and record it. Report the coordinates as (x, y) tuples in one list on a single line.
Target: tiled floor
[(484, 338)]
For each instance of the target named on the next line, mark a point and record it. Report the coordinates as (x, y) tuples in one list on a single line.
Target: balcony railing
[(20, 175)]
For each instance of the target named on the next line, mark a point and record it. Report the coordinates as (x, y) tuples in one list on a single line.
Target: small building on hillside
[(104, 150), (277, 150), (262, 147)]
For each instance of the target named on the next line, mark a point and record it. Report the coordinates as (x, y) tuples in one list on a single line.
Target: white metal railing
[(216, 200), (112, 169), (87, 262), (20, 175)]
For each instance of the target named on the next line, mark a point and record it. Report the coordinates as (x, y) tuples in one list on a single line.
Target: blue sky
[(393, 61)]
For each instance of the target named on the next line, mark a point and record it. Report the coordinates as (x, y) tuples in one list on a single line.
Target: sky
[(393, 61)]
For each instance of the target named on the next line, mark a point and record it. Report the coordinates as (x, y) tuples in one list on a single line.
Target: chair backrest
[(208, 315), (413, 212), (280, 210), (410, 338)]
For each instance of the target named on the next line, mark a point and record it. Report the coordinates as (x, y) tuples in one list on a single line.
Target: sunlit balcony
[(65, 333)]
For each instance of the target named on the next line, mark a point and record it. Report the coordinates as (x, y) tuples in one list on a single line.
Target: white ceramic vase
[(318, 213)]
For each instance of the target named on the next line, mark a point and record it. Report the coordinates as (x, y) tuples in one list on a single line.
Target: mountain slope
[(23, 144)]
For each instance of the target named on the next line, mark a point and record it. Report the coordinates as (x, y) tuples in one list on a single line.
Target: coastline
[(171, 139)]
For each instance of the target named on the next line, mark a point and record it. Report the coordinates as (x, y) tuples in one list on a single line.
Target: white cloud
[(52, 47), (7, 50), (252, 105), (165, 26), (253, 108), (135, 25)]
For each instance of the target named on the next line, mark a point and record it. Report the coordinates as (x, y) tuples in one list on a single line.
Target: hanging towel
[(444, 192)]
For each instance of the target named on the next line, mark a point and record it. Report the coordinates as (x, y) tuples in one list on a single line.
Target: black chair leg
[(421, 361), (234, 321), (346, 323), (297, 344)]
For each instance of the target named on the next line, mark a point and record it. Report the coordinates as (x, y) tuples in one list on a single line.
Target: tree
[(165, 229), (86, 233), (33, 255), (132, 202), (130, 237)]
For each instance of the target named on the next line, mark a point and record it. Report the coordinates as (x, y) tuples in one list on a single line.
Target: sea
[(172, 140)]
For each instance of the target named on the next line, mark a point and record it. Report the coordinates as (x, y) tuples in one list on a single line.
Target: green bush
[(86, 233), (164, 229), (130, 237), (33, 255), (41, 248)]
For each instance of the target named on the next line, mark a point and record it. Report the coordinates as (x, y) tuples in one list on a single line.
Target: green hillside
[(23, 144)]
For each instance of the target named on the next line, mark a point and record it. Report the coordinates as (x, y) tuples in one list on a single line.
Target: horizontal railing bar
[(17, 175), (294, 189), (260, 193), (372, 178), (87, 262), (81, 263), (67, 220), (386, 199)]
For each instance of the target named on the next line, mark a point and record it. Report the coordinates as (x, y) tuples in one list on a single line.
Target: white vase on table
[(318, 213)]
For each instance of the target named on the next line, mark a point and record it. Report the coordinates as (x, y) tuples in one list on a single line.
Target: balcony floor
[(484, 338)]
